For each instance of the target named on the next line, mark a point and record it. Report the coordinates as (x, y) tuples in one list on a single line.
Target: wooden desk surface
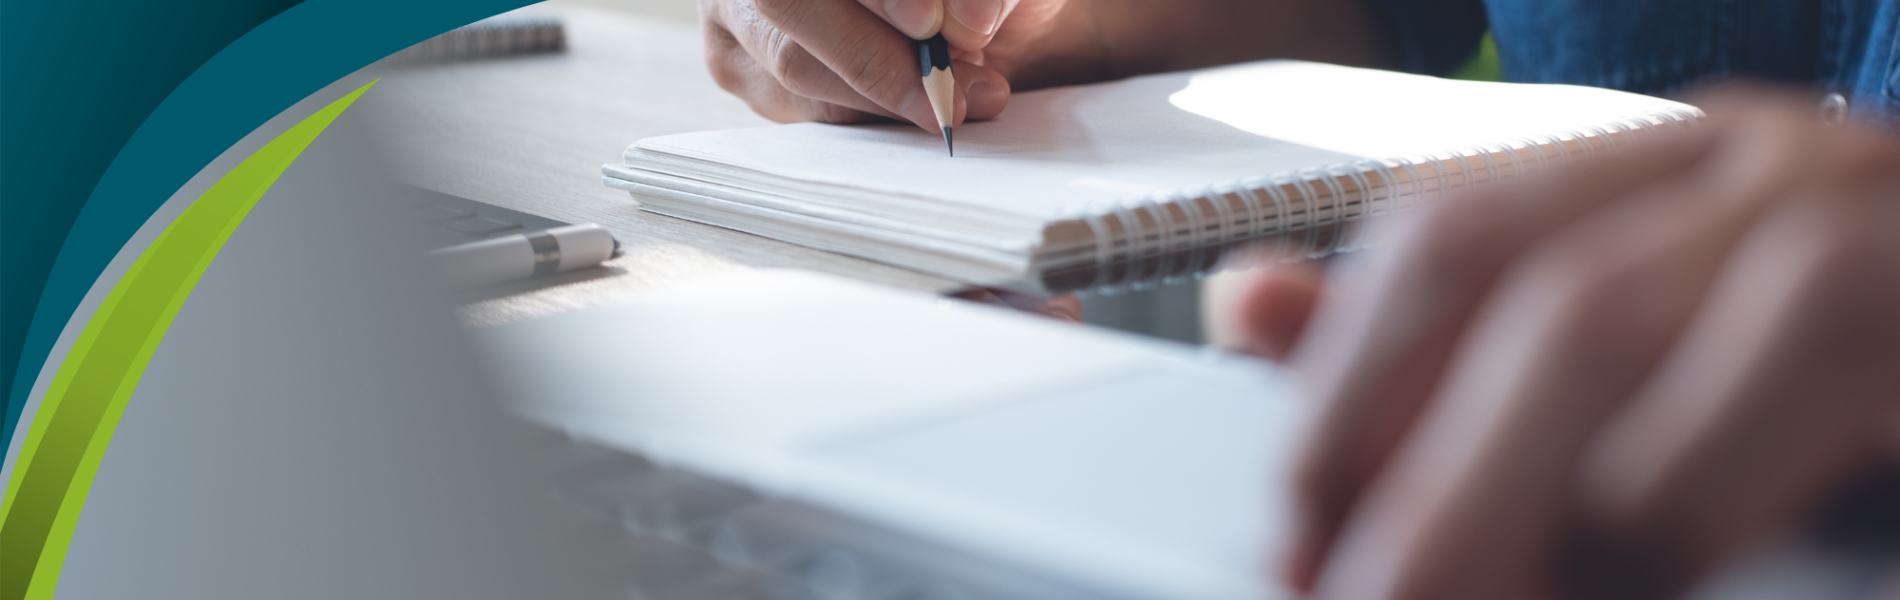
[(530, 133)]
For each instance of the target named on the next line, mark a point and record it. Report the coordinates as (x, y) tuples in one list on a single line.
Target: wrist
[(1087, 41), (1100, 40)]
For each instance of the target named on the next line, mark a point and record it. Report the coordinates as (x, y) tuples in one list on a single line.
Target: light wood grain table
[(531, 132)]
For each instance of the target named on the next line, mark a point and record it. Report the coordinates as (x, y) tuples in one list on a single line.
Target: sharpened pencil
[(933, 61)]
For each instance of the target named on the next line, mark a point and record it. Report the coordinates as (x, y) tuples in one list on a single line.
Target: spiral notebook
[(1121, 183)]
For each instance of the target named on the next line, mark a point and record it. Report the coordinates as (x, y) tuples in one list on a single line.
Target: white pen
[(523, 255)]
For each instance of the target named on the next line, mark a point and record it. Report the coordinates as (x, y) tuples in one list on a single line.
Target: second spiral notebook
[(1119, 183)]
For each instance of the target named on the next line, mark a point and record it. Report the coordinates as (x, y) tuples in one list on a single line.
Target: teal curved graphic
[(279, 63), (275, 65), (62, 122), (68, 438)]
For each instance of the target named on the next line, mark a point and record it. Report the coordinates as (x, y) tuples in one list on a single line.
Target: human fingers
[(1472, 498), (781, 58), (813, 46), (1272, 306), (735, 71), (972, 23), (1804, 337), (919, 19), (1472, 504), (985, 91), (967, 24), (1376, 349)]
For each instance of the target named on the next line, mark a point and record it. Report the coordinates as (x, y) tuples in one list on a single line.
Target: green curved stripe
[(81, 408)]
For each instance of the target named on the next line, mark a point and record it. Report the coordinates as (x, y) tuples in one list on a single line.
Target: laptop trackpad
[(1173, 466)]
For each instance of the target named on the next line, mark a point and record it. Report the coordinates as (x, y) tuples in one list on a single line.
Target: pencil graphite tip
[(947, 144)]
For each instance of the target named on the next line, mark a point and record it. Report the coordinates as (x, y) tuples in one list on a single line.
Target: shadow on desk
[(512, 288)]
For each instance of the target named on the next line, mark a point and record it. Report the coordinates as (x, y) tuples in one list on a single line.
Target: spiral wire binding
[(1147, 244), (497, 36)]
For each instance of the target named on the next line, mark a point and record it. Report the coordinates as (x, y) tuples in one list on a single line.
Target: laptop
[(787, 435), (791, 435)]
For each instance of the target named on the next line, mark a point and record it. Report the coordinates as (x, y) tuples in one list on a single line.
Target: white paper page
[(1060, 150), (1379, 114)]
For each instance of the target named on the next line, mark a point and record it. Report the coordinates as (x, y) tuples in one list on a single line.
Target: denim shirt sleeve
[(1432, 37)]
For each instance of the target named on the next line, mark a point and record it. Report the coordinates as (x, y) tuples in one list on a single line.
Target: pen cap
[(582, 246)]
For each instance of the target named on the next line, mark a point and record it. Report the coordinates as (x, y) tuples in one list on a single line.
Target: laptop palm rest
[(799, 436)]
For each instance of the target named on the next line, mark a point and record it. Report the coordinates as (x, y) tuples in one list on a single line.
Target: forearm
[(1108, 39)]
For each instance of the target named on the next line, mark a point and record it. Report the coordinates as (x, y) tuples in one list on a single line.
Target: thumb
[(971, 23), (1272, 307)]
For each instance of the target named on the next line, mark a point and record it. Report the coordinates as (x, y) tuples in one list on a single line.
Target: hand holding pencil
[(924, 21), (849, 61)]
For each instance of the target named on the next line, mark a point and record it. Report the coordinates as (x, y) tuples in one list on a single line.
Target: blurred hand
[(1604, 381), (846, 61)]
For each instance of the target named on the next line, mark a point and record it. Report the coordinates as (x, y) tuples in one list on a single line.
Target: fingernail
[(980, 16), (987, 93), (918, 19)]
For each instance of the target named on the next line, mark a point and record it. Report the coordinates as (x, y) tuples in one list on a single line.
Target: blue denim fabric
[(1661, 46)]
